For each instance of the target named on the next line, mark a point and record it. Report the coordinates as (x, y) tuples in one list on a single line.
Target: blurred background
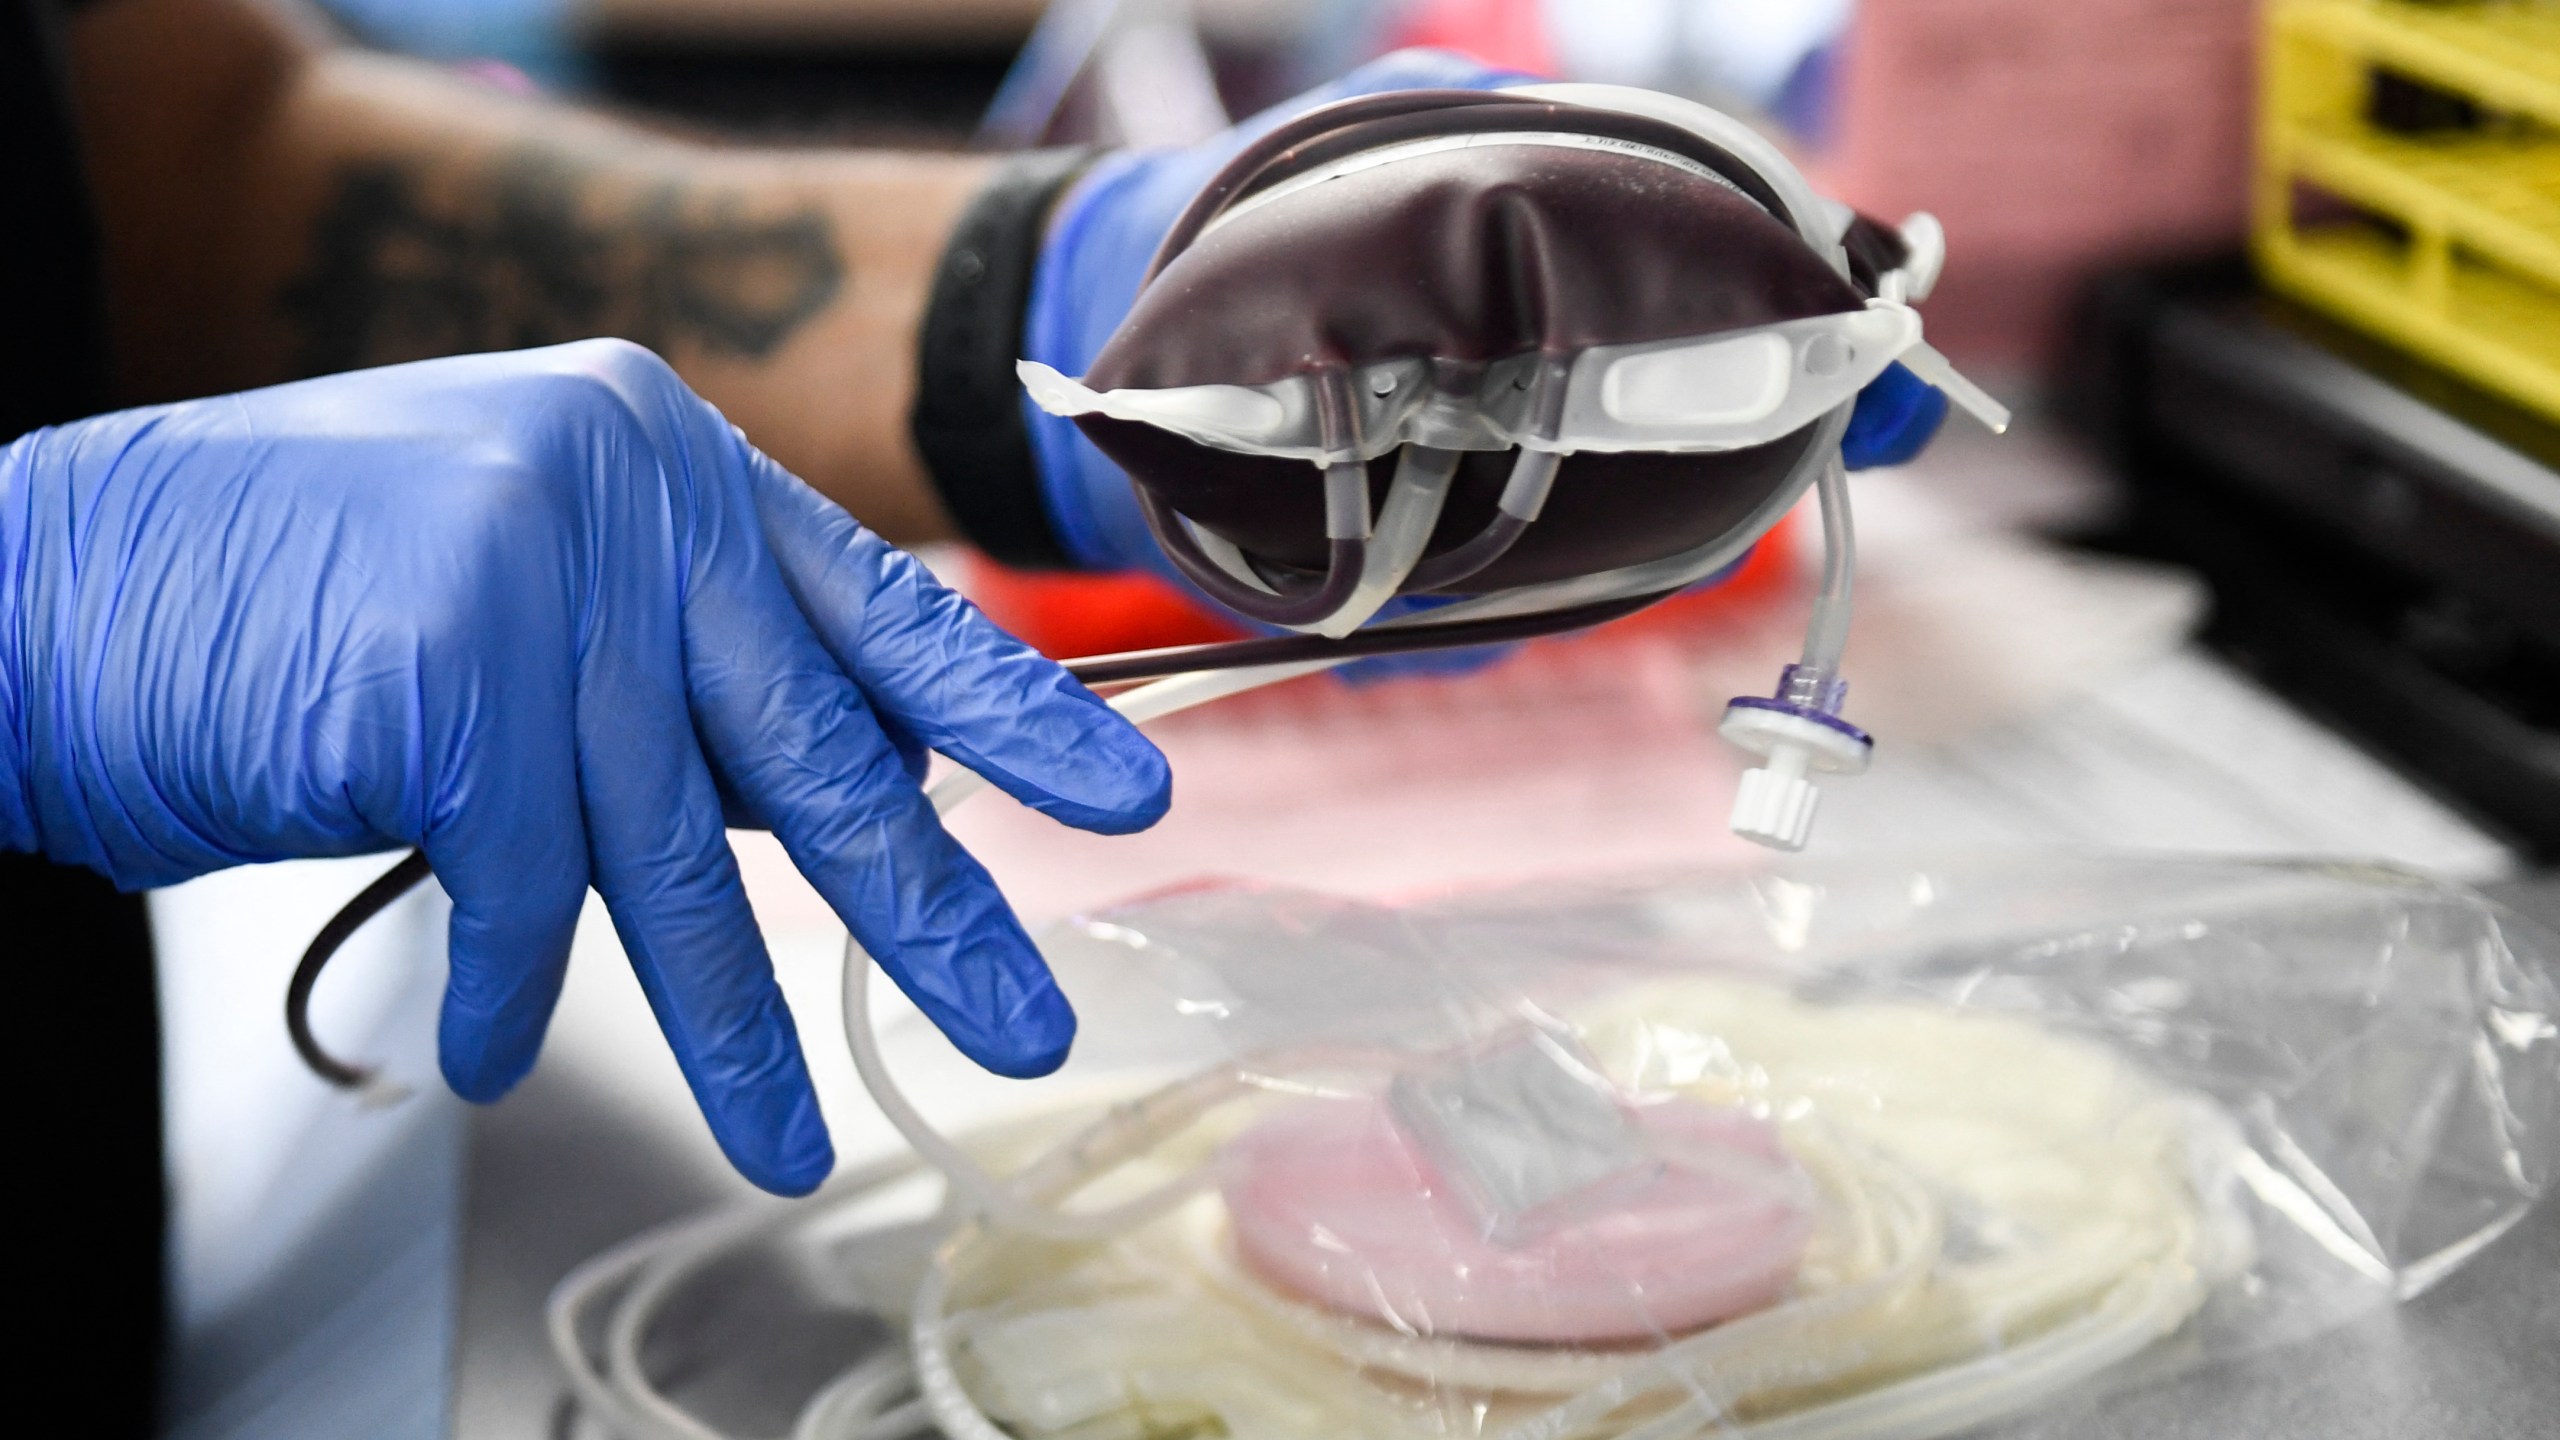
[(2271, 564), (2050, 139)]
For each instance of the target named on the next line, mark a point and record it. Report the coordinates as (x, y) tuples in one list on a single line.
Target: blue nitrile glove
[(537, 613), (1106, 231), (1897, 415)]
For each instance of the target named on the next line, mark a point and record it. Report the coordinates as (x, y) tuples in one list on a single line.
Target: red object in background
[(1067, 616), (1505, 34)]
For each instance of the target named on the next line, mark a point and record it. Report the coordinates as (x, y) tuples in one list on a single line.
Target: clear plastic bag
[(1870, 1150)]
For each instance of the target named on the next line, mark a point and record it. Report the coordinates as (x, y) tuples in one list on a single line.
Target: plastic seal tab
[(1915, 1177), (1687, 395)]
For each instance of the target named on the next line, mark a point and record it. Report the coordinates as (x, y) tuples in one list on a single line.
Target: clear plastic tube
[(629, 1326), (1945, 1401), (1524, 496), (854, 1405), (596, 1388), (1027, 1202), (1827, 634), (1224, 573), (646, 1269), (1023, 1203), (630, 1283), (1908, 1226), (936, 1379), (1405, 523), (1672, 572)]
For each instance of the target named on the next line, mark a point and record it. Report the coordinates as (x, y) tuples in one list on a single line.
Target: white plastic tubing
[(630, 1284)]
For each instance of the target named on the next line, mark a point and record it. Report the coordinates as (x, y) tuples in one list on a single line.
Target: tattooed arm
[(276, 205)]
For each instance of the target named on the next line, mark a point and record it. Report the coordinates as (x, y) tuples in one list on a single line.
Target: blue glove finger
[(664, 869), (800, 742), (797, 738), (504, 832), (1897, 416), (737, 814), (936, 669), (657, 849), (663, 866)]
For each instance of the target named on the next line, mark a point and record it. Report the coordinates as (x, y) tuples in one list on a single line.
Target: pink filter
[(1332, 1201)]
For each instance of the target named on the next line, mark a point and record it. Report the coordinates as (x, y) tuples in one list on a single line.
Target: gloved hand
[(1107, 229), (538, 613)]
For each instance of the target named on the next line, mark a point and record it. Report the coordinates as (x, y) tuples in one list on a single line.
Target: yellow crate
[(2451, 243)]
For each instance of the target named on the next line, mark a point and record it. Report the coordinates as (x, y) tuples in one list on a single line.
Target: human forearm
[(333, 209), (945, 22)]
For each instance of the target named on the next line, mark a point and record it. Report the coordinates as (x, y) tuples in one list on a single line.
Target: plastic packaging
[(1865, 1151)]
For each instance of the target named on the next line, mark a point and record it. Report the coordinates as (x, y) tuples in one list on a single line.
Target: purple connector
[(1807, 694), (1799, 733)]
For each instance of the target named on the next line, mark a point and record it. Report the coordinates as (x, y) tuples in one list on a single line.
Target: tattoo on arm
[(533, 260)]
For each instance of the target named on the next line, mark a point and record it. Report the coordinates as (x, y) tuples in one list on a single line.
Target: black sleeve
[(967, 420), (78, 952), (53, 360)]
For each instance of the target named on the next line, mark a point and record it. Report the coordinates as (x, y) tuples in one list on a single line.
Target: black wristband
[(967, 420)]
